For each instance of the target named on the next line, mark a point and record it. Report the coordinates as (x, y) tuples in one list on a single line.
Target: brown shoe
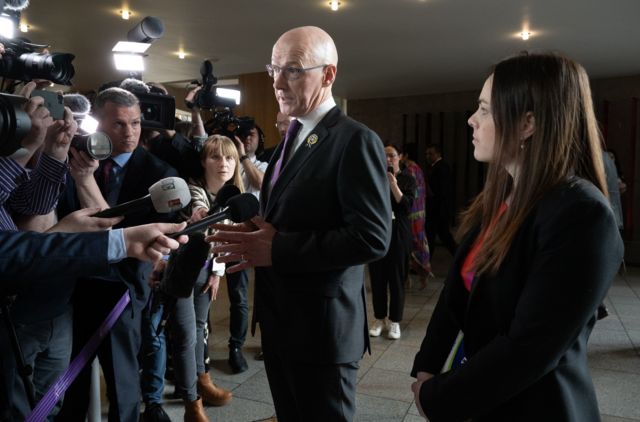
[(194, 412), (210, 393)]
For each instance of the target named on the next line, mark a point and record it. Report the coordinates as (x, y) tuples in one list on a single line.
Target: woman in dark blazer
[(539, 250)]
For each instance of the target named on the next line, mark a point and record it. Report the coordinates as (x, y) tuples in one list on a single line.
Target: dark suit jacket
[(332, 212), (526, 328), (439, 202), (27, 257), (142, 170)]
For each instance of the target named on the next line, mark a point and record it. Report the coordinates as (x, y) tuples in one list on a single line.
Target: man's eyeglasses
[(290, 73)]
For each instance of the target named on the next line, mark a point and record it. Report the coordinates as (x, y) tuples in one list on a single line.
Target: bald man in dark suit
[(325, 213)]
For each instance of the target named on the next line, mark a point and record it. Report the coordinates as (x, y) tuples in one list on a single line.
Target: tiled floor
[(383, 392)]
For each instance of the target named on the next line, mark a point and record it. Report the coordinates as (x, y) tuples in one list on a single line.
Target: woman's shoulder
[(572, 200)]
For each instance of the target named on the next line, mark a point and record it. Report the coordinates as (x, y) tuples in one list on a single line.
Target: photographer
[(250, 141)]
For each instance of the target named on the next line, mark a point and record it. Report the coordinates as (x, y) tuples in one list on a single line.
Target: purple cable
[(49, 400)]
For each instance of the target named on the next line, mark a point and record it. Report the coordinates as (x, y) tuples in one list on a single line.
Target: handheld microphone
[(166, 195), (224, 194), (240, 208)]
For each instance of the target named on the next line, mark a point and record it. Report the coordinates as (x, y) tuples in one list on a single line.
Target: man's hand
[(40, 120), (421, 377), (149, 243), (248, 243), (82, 166), (82, 221), (59, 135), (239, 146), (191, 96)]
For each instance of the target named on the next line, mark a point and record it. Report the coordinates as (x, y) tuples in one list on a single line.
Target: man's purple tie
[(289, 139)]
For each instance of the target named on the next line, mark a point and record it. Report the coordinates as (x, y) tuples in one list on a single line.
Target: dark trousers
[(389, 274), (118, 352), (237, 288), (304, 391), (439, 226)]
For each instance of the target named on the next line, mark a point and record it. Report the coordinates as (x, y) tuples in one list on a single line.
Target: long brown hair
[(225, 146), (565, 142)]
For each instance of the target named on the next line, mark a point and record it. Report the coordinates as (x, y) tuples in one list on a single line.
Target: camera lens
[(14, 123), (54, 67), (97, 145)]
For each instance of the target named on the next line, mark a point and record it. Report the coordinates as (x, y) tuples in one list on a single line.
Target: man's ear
[(329, 75), (528, 126)]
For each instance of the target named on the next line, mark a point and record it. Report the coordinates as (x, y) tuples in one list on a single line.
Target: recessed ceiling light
[(525, 35), (335, 5), (181, 54), (24, 27), (126, 14)]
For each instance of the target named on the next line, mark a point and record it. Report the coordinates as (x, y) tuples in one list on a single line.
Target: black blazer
[(332, 212), (526, 328)]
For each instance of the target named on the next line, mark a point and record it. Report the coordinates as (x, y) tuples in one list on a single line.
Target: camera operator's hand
[(1, 50), (59, 136), (239, 146), (82, 221), (40, 121), (149, 243), (82, 166), (191, 96)]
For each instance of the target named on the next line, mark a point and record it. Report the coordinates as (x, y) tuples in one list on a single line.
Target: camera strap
[(49, 400)]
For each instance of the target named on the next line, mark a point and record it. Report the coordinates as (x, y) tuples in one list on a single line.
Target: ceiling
[(386, 47)]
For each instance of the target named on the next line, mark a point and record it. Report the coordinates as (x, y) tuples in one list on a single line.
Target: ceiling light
[(130, 47), (7, 26), (126, 14), (130, 62), (335, 4), (24, 27), (525, 35), (181, 54)]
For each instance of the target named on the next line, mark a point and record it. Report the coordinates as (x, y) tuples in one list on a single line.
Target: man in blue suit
[(325, 213)]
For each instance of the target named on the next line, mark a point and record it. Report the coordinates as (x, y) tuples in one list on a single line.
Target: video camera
[(207, 97), (158, 109)]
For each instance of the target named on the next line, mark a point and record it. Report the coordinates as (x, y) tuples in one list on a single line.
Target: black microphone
[(240, 208), (166, 195), (224, 194)]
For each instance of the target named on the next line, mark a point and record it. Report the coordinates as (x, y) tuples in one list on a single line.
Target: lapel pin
[(311, 140)]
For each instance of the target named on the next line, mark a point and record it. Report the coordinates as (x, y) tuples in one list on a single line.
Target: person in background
[(420, 261), (390, 272), (220, 161), (439, 208), (539, 249)]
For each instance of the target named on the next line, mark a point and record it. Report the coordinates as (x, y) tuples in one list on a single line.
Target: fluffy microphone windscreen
[(135, 86), (224, 194), (170, 194), (243, 207), (78, 103), (183, 267)]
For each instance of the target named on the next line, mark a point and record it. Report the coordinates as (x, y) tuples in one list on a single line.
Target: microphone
[(224, 194), (166, 195), (238, 209)]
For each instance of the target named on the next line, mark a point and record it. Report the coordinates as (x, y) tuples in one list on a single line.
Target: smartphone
[(53, 101)]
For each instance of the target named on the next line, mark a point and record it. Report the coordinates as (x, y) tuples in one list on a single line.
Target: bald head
[(315, 45), (309, 59)]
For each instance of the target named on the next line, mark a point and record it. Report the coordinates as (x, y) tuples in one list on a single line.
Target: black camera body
[(158, 111), (20, 61), (206, 98), (15, 123)]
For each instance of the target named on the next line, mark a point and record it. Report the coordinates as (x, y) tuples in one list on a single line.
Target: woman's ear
[(528, 126)]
